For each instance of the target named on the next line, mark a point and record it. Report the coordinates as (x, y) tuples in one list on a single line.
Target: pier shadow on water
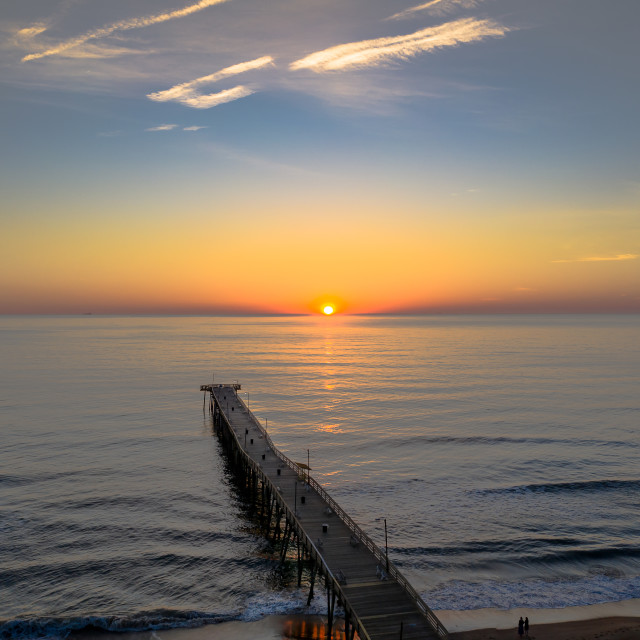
[(281, 574)]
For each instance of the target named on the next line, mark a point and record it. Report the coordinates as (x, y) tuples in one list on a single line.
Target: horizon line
[(312, 314)]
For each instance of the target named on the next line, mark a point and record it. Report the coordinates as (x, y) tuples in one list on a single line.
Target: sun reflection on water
[(314, 628)]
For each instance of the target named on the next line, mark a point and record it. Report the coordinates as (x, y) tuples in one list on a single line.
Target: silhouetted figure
[(521, 627), (526, 627)]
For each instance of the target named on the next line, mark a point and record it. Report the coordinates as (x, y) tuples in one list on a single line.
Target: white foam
[(282, 603), (540, 594)]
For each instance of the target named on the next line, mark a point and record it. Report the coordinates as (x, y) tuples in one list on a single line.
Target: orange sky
[(202, 158), (365, 262)]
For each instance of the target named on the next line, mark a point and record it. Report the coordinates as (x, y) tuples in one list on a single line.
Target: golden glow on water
[(422, 419), (312, 628), (330, 428)]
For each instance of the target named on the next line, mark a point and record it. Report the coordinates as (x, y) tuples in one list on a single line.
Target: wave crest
[(589, 486), (58, 627)]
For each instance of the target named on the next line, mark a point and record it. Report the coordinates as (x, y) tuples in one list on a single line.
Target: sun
[(328, 310)]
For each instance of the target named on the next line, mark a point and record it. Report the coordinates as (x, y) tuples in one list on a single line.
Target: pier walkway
[(294, 510)]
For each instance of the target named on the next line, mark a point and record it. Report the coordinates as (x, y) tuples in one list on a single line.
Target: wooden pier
[(296, 512)]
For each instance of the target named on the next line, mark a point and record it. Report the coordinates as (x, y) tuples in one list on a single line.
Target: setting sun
[(328, 310)]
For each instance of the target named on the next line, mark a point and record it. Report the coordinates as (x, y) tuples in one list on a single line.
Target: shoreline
[(608, 621), (475, 619), (617, 628)]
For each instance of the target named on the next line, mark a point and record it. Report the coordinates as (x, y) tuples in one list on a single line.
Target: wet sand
[(314, 628), (600, 629), (611, 621)]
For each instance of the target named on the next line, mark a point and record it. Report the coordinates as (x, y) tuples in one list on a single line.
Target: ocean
[(501, 450)]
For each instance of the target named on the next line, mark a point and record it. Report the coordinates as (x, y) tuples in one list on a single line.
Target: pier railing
[(310, 544), (358, 533)]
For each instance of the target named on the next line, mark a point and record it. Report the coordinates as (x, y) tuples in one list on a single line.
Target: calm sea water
[(503, 452)]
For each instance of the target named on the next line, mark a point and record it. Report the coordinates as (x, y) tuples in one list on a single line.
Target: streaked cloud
[(214, 99), (187, 92), (374, 53), (162, 127), (186, 89), (376, 92), (33, 31), (438, 7), (97, 51), (123, 25), (171, 127), (618, 258)]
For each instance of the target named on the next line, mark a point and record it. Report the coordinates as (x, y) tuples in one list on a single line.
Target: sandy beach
[(313, 627), (608, 621), (611, 621), (599, 629)]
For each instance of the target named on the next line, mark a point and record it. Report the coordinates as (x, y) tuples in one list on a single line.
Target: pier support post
[(285, 543), (313, 579), (268, 522), (254, 487), (278, 529), (299, 563), (264, 507), (331, 605)]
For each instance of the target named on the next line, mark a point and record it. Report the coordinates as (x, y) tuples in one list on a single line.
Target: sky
[(274, 156)]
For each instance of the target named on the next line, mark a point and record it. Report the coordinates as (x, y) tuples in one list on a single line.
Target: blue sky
[(510, 121)]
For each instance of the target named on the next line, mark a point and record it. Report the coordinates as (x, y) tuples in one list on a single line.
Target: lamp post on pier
[(386, 545)]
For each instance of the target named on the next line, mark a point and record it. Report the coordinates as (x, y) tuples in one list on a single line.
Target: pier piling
[(334, 546)]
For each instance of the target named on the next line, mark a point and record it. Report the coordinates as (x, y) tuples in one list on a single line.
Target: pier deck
[(378, 601)]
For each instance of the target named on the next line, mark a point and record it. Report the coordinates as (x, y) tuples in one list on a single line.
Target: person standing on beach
[(526, 627), (520, 627)]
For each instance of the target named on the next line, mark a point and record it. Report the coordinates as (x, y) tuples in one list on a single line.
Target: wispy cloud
[(123, 25), (97, 51), (171, 127), (214, 99), (373, 53), (438, 7), (33, 31), (187, 93), (162, 127), (186, 89), (618, 258), (375, 92)]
